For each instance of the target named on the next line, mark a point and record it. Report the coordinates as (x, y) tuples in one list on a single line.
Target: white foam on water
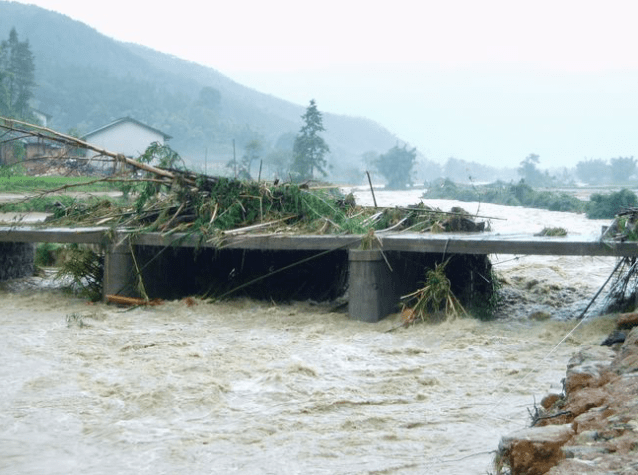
[(253, 387)]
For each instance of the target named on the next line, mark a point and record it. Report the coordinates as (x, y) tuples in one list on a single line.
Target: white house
[(127, 136)]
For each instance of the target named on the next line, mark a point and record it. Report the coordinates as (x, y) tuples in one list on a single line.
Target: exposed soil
[(592, 427)]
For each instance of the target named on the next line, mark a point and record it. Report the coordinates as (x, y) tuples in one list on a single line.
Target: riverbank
[(592, 426)]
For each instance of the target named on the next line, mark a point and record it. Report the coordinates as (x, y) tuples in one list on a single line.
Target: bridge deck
[(451, 243)]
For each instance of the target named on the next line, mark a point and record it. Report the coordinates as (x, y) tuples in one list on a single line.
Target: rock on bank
[(592, 427)]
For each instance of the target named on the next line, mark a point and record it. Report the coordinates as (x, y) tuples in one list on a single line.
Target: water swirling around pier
[(254, 387)]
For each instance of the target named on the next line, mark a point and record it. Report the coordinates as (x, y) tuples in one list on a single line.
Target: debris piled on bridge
[(212, 205), (162, 196), (166, 198)]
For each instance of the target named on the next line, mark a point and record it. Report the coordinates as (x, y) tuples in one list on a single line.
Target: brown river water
[(264, 388)]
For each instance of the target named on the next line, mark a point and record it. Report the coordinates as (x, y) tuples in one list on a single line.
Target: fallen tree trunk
[(133, 301), (49, 134)]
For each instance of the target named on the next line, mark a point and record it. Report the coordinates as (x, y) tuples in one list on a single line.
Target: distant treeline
[(600, 206)]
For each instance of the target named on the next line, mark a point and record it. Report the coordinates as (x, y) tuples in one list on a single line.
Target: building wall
[(126, 138)]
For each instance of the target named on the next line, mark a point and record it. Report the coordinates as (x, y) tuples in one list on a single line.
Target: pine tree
[(309, 148), (17, 77)]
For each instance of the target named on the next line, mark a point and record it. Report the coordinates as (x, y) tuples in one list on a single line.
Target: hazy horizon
[(489, 82)]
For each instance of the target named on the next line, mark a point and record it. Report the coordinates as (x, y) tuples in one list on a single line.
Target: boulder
[(627, 321), (535, 450), (579, 402), (549, 400), (588, 368)]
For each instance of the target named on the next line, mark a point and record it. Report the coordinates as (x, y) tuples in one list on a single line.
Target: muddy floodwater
[(257, 387)]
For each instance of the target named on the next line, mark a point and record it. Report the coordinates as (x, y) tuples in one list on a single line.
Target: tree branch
[(38, 131)]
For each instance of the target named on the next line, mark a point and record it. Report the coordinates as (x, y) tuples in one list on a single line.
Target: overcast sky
[(481, 80)]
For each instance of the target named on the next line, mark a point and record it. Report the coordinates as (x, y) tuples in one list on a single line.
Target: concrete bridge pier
[(373, 292), (16, 260), (120, 276)]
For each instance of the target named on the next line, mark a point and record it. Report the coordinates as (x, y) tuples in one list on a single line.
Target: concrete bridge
[(374, 289)]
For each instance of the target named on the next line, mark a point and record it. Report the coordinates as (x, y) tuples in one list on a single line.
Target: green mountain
[(86, 80)]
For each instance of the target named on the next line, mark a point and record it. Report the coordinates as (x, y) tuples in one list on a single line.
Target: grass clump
[(434, 301), (41, 204), (46, 254), (553, 232), (85, 269), (75, 320)]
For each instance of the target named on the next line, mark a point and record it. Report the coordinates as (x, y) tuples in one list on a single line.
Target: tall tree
[(593, 172), (396, 166), (252, 154), (17, 77), (310, 148), (530, 172), (622, 168)]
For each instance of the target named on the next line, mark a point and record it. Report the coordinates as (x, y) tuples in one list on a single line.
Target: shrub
[(520, 194), (608, 206)]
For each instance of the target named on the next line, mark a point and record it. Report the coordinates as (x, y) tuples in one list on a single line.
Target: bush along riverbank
[(600, 206), (592, 427)]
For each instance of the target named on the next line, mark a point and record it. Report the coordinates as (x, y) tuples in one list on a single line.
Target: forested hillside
[(85, 80)]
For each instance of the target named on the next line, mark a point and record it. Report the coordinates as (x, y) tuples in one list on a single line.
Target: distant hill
[(86, 80)]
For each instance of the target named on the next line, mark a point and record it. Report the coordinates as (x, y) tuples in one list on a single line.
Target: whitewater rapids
[(263, 388)]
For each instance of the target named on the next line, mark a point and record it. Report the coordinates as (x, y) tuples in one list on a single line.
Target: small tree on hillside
[(396, 166), (309, 148)]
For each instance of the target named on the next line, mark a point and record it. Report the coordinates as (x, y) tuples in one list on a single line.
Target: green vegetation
[(622, 168), (435, 300), (530, 173), (41, 204), (310, 148), (627, 227), (58, 205), (608, 206), (221, 204), (17, 77), (242, 169), (396, 165), (19, 183), (46, 254), (600, 206), (598, 171), (86, 80), (85, 268), (553, 232), (180, 200), (520, 194)]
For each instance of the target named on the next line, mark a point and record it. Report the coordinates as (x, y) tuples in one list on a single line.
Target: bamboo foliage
[(434, 300), (169, 199)]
